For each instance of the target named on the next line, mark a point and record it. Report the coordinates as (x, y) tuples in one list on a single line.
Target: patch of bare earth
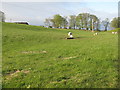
[(15, 74), (33, 52), (69, 57)]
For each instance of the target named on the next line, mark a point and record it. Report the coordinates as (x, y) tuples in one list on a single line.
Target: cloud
[(100, 14), (35, 13)]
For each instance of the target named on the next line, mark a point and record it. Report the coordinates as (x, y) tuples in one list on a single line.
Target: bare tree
[(105, 23), (47, 22)]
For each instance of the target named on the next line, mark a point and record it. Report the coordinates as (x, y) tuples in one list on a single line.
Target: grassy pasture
[(38, 57)]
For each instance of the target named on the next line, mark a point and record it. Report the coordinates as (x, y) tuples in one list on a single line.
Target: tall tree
[(98, 24), (57, 21), (79, 21), (2, 16), (114, 22), (86, 20), (72, 21), (106, 23), (91, 22), (47, 22), (64, 22), (94, 22)]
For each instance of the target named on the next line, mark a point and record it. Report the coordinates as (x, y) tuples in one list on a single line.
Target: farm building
[(22, 23)]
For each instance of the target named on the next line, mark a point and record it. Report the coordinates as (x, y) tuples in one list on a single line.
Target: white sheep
[(114, 32), (95, 34)]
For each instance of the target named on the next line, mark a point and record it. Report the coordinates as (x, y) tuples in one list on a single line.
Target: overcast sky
[(36, 12)]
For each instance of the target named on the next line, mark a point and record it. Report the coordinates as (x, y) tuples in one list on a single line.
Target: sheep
[(70, 35), (95, 34), (114, 32)]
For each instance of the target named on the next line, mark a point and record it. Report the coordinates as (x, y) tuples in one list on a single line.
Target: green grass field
[(38, 57)]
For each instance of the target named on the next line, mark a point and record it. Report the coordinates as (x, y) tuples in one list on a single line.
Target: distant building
[(22, 23)]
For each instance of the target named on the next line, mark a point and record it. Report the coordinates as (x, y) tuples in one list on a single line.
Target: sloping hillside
[(38, 57)]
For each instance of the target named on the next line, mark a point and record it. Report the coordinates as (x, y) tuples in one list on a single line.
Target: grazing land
[(38, 57)]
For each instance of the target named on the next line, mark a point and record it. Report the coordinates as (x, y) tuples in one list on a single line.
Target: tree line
[(85, 21), (82, 21)]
